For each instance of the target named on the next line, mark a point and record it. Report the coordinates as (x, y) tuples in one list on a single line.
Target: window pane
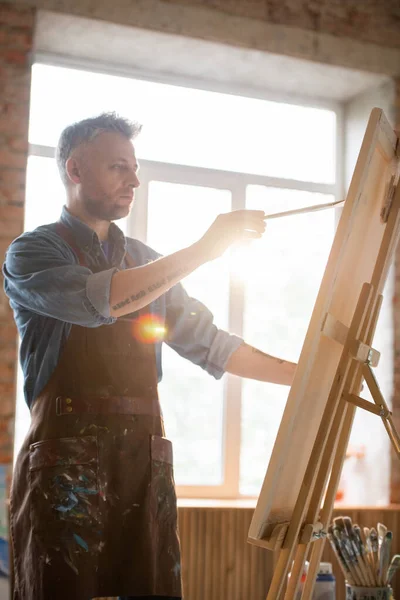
[(281, 288), (191, 127), (45, 193), (192, 401)]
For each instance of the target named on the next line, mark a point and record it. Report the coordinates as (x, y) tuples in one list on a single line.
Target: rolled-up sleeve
[(191, 332), (43, 276)]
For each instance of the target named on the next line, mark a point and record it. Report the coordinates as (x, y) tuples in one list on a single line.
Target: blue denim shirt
[(50, 291)]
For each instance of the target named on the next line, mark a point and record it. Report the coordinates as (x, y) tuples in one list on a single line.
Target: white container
[(365, 593), (325, 585)]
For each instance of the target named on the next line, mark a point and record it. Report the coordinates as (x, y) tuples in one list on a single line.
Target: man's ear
[(72, 168)]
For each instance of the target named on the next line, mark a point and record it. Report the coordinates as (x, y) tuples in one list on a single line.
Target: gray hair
[(86, 130)]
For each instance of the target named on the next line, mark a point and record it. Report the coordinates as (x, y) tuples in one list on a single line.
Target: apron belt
[(72, 405)]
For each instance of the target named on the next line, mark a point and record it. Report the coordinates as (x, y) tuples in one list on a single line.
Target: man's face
[(106, 171)]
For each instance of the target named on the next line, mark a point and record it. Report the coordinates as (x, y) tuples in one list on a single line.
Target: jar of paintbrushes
[(364, 558)]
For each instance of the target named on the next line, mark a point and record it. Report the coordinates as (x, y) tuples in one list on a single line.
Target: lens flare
[(149, 329)]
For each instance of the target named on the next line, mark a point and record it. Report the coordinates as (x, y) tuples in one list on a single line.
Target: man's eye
[(118, 166)]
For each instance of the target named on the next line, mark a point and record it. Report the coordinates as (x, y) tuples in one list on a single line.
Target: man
[(93, 508)]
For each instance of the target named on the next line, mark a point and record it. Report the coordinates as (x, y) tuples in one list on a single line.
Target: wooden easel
[(305, 533)]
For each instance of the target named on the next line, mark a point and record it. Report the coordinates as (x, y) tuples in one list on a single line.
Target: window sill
[(216, 503), (251, 503)]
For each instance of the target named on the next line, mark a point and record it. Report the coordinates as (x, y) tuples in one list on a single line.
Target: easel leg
[(339, 452), (333, 458), (361, 316), (326, 513), (332, 449)]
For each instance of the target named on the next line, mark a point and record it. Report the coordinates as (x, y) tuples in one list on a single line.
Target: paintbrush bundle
[(363, 554)]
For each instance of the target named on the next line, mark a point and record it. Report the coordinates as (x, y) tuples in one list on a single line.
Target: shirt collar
[(86, 237)]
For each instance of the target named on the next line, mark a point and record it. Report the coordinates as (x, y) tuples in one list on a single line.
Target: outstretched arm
[(252, 363)]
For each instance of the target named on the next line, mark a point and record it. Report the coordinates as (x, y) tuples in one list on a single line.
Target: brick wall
[(372, 21), (16, 32)]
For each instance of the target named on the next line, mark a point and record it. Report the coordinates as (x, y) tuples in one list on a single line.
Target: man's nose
[(134, 181)]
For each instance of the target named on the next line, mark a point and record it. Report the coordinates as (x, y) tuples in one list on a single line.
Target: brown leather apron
[(93, 505)]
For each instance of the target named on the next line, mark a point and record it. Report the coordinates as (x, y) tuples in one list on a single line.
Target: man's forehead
[(110, 144)]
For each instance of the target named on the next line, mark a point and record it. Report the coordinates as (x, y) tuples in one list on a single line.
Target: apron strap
[(65, 233)]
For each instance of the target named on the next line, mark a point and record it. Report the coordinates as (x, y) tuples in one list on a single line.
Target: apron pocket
[(63, 452), (64, 492), (162, 481)]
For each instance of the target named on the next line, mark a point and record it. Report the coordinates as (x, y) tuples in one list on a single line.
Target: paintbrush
[(373, 536), (382, 530), (347, 550), (363, 552), (348, 525), (384, 557), (394, 565), (370, 556), (306, 209), (341, 559)]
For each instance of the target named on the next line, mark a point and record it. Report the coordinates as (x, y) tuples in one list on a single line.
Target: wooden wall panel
[(218, 563)]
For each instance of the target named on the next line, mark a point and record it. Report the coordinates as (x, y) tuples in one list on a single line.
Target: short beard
[(102, 210)]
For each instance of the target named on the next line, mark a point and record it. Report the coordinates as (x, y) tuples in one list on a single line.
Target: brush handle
[(341, 560), (373, 536), (359, 562), (340, 532), (347, 552), (384, 558), (394, 565), (306, 209), (364, 559), (353, 545), (370, 556)]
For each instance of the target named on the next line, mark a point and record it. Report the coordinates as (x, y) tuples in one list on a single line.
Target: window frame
[(235, 182)]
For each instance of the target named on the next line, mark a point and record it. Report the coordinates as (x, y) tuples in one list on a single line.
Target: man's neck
[(99, 226)]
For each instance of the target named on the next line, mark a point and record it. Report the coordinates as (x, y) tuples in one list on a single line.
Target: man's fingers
[(246, 220), (250, 235), (258, 214), (246, 216), (254, 225)]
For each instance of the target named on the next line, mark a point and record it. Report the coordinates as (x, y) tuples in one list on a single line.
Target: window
[(278, 306), (203, 153), (193, 409)]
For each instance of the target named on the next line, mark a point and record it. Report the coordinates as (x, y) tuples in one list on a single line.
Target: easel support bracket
[(338, 331), (312, 533), (379, 407), (380, 411), (275, 540)]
